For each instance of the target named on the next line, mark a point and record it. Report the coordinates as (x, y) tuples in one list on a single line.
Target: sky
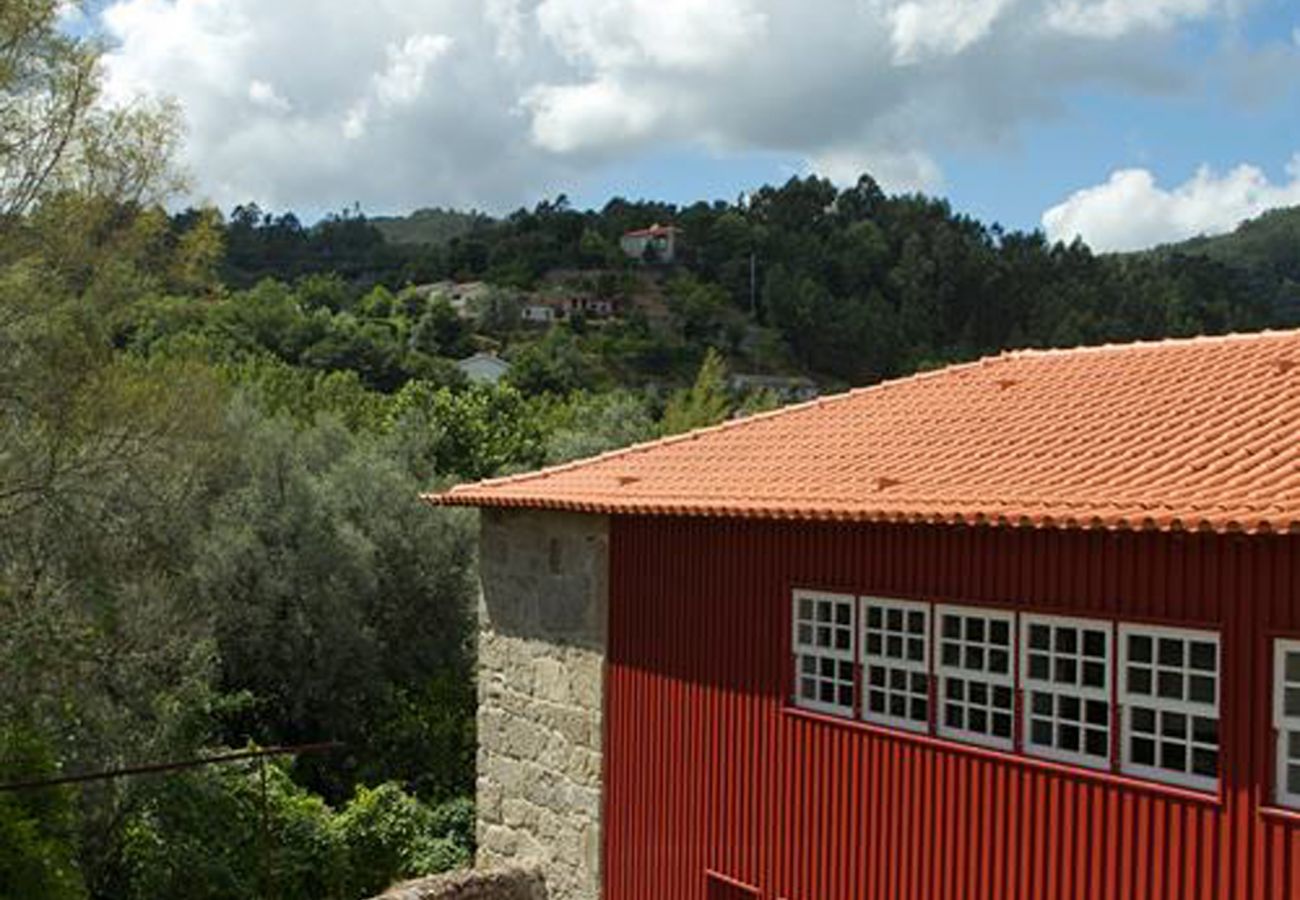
[(1125, 122)]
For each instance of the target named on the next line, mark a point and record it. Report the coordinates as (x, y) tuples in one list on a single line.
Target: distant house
[(784, 386), (460, 295), (539, 313), (484, 368), (661, 239)]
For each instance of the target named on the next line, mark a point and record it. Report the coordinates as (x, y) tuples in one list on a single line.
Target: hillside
[(1266, 249), (429, 226)]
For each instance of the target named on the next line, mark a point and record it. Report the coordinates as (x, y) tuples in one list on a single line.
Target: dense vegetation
[(214, 431)]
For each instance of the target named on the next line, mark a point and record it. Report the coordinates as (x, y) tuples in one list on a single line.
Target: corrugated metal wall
[(707, 770)]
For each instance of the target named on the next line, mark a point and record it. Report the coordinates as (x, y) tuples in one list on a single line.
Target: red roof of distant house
[(652, 231), (1197, 434)]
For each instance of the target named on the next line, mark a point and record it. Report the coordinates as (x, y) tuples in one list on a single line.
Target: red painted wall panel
[(707, 769)]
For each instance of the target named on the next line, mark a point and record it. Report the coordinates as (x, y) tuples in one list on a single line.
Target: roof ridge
[(696, 433), (1147, 344)]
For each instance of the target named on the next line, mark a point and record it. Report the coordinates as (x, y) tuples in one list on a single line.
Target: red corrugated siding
[(706, 770)]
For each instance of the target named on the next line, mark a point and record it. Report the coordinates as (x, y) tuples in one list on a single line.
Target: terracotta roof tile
[(1193, 434)]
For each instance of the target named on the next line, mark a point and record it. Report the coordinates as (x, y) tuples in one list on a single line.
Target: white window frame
[(942, 674), (911, 667), (1030, 685), (1160, 705), (1282, 723), (801, 650)]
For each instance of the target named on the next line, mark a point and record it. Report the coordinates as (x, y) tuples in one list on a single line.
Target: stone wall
[(542, 618), (494, 884)]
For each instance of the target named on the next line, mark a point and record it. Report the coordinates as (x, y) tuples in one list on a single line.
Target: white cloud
[(317, 104), (941, 27), (893, 171), (1131, 212), (1112, 18), (265, 95)]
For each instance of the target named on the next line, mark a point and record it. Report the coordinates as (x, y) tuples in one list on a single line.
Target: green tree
[(706, 402)]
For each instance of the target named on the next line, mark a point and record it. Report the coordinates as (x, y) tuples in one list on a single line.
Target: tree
[(706, 402)]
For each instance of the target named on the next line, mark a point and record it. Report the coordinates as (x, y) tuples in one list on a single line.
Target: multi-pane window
[(1065, 674), (896, 662), (824, 652), (975, 689), (1286, 718), (1169, 691)]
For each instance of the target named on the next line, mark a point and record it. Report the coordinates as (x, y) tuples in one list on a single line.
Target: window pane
[(1293, 667), (1139, 680), (1139, 648), (1202, 656), (1171, 652), (1292, 704)]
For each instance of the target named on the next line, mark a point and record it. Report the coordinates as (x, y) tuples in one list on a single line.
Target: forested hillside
[(214, 429)]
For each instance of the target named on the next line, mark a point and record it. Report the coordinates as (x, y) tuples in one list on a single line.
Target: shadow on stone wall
[(545, 576), (496, 884)]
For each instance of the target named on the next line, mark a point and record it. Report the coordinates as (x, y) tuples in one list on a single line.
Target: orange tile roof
[(1194, 434)]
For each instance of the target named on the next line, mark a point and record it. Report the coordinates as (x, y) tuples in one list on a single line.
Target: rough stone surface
[(541, 650), (499, 884)]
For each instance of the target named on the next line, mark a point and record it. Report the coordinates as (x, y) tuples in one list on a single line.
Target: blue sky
[(1128, 122)]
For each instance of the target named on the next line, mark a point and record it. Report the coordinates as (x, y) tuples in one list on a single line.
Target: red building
[(1023, 628)]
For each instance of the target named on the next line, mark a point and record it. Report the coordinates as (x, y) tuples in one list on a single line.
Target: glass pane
[(1293, 745), (1205, 731), (843, 639), (823, 635), (1038, 667), (1040, 637), (1144, 720), (1139, 648), (951, 654), (1070, 708), (805, 634), (1292, 702), (1094, 674), (978, 720), (808, 688), (952, 716), (1040, 703), (876, 702), (1293, 667), (1203, 656), (1000, 633), (805, 608), (952, 626), (895, 619), (1173, 756), (874, 616), (1200, 688), (827, 667), (974, 629), (999, 661), (1293, 779), (876, 676), (824, 611), (1170, 685), (894, 646), (1067, 671), (808, 665), (898, 705), (1002, 697), (979, 693), (846, 671), (843, 613), (1143, 751), (1068, 737), (873, 644), (956, 689), (1095, 744), (1094, 644), (1067, 640), (1002, 725), (920, 710), (1139, 680), (916, 649), (1173, 724), (898, 680), (846, 695), (1098, 713), (1171, 652), (1205, 762), (920, 683), (828, 692), (916, 622), (1040, 732), (975, 658)]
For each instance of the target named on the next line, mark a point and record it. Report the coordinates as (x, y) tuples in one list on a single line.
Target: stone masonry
[(542, 619)]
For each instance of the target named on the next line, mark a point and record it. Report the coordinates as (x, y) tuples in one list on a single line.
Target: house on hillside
[(1027, 627), (659, 241), (483, 368)]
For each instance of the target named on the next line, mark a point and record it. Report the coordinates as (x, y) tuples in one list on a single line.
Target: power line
[(153, 768)]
